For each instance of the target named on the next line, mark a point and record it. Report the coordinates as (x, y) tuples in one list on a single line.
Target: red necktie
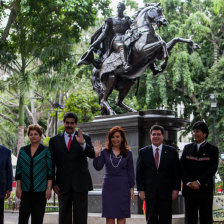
[(69, 142), (157, 158)]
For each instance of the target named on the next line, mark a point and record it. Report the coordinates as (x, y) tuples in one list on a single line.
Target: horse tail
[(96, 83)]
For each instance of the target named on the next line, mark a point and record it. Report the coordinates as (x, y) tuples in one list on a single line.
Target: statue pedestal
[(136, 126)]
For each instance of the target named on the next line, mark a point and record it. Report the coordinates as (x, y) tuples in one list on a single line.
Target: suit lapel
[(163, 156), (202, 148), (195, 150), (74, 141), (62, 141)]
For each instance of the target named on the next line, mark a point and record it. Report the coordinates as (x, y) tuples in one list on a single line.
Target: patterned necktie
[(157, 158), (69, 142)]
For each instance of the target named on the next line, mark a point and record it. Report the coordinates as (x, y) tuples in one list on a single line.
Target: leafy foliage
[(43, 47), (41, 41), (84, 103)]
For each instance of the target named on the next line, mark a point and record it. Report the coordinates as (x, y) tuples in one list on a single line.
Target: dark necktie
[(69, 142), (157, 158)]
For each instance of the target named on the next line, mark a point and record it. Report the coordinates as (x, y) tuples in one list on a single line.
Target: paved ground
[(93, 218)]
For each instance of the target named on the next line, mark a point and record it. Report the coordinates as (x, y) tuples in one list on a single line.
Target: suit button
[(157, 172)]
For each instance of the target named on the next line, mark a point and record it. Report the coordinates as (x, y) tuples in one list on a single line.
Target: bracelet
[(48, 188)]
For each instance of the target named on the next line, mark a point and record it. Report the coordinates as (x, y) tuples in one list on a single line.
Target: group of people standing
[(63, 167), (159, 174)]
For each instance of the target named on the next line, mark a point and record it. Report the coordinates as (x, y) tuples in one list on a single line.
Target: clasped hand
[(194, 185)]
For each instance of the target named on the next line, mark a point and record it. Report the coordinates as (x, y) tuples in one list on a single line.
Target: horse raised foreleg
[(123, 88), (172, 43), (175, 40), (108, 84), (154, 48)]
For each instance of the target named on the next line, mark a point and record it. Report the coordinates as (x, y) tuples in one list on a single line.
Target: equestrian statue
[(126, 48)]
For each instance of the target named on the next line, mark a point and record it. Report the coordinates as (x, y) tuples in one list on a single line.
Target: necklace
[(112, 161), (117, 157)]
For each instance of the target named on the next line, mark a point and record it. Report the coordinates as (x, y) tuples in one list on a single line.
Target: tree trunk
[(20, 142), (215, 49), (33, 109), (61, 98), (50, 123), (12, 17)]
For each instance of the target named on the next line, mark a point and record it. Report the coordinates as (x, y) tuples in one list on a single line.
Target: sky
[(114, 3)]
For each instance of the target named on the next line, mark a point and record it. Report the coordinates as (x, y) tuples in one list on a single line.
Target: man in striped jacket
[(199, 164)]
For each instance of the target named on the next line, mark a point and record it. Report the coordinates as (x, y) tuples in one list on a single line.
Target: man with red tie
[(73, 181), (158, 177)]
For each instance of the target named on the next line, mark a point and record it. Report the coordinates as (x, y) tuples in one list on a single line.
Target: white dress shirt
[(199, 144)]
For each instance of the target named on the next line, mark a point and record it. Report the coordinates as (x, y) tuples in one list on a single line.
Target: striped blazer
[(34, 172)]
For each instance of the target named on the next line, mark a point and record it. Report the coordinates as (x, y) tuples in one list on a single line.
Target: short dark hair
[(70, 115), (200, 125), (35, 127), (157, 127)]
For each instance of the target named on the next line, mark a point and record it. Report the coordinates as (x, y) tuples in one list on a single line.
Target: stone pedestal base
[(136, 126)]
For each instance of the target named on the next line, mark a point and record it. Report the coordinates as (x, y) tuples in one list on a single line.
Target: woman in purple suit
[(118, 182)]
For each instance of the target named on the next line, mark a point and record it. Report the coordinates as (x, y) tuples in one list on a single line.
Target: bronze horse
[(144, 51)]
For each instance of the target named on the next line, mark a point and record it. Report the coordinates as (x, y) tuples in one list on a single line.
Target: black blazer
[(199, 165), (71, 166), (162, 181), (5, 171)]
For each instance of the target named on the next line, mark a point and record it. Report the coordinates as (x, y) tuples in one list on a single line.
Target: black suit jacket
[(199, 165), (162, 181), (71, 166), (5, 171)]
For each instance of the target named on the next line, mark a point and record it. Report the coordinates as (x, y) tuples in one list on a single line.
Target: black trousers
[(1, 210), (158, 211), (32, 203), (76, 200), (193, 205)]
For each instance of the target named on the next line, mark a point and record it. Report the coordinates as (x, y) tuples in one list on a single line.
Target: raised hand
[(97, 148), (80, 139)]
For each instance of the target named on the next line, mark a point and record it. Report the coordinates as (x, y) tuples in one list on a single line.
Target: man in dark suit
[(199, 164), (73, 181), (5, 178), (158, 178)]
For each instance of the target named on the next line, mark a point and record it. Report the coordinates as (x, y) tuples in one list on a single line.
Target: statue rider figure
[(109, 38)]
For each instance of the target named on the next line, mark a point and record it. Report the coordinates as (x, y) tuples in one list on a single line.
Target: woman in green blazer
[(34, 177)]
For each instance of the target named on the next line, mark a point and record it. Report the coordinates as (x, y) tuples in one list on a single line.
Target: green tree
[(39, 38)]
